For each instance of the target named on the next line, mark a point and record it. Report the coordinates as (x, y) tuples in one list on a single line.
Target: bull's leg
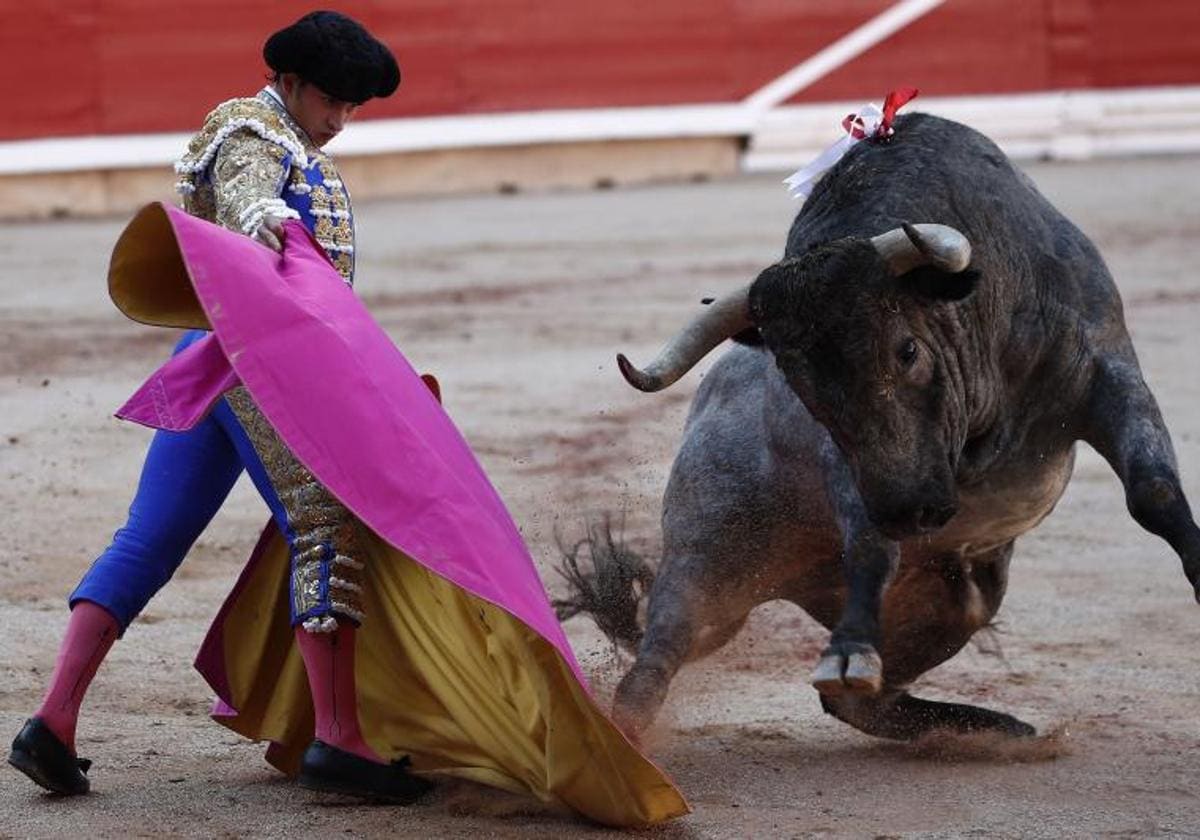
[(1125, 426), (851, 662), (928, 618), (902, 717), (683, 622)]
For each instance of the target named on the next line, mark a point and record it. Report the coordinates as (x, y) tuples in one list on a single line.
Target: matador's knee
[(326, 561), (322, 535)]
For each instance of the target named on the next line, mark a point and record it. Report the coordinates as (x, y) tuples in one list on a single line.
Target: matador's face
[(320, 115)]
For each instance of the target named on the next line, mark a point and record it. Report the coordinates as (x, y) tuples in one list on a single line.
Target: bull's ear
[(935, 284)]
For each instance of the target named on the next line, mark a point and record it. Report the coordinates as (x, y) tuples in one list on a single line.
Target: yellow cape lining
[(448, 678)]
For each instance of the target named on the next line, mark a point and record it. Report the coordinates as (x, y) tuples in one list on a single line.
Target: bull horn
[(905, 248), (724, 318)]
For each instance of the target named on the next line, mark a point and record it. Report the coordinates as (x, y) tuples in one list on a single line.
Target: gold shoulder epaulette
[(249, 114)]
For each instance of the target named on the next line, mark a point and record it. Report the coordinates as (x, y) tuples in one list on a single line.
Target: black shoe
[(37, 752), (331, 770)]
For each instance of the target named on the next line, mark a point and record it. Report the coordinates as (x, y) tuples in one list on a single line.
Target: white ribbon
[(800, 183)]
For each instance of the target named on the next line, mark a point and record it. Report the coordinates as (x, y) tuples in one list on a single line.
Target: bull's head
[(860, 329)]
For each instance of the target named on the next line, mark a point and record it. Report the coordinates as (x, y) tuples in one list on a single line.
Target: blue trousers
[(185, 479)]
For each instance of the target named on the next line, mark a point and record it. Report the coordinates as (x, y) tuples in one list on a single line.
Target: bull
[(902, 402)]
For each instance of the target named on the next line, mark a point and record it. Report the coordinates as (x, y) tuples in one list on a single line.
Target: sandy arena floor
[(519, 303)]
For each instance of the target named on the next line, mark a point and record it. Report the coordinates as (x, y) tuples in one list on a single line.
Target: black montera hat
[(335, 53)]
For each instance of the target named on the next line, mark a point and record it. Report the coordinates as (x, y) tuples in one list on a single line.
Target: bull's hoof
[(855, 672), (631, 725), (639, 697)]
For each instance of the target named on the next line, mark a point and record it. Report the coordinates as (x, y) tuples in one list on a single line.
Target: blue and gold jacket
[(251, 159)]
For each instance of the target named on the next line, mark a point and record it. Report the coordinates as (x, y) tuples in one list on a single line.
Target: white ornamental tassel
[(800, 183), (871, 121)]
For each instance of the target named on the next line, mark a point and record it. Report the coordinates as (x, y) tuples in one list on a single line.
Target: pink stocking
[(91, 631), (329, 663)]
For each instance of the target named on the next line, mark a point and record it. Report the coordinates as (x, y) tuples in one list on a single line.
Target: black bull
[(911, 409)]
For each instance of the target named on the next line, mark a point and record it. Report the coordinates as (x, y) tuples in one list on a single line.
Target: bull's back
[(747, 466)]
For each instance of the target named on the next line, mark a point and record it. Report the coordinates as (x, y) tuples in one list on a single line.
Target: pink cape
[(346, 402)]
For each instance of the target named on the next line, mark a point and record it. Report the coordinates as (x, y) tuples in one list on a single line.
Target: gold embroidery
[(326, 551), (320, 197), (236, 159), (248, 178), (323, 231), (328, 171)]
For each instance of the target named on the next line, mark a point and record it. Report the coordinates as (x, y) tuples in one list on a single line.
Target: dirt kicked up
[(518, 304)]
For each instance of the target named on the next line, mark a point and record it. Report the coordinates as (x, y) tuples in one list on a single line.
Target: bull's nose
[(902, 522), (935, 516)]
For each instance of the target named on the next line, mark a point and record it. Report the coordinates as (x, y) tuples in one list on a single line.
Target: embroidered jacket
[(251, 159)]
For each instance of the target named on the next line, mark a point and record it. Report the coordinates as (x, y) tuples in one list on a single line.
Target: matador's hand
[(270, 233)]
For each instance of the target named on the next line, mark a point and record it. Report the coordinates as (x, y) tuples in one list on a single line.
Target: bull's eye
[(907, 354)]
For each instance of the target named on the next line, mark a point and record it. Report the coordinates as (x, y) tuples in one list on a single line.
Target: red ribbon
[(894, 101)]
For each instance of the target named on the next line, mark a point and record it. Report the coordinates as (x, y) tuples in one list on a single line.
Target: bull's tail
[(611, 591)]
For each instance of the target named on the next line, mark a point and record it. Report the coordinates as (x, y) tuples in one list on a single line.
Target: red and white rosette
[(870, 122)]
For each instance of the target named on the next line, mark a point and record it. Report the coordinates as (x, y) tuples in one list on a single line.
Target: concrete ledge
[(529, 167), (47, 195), (540, 166)]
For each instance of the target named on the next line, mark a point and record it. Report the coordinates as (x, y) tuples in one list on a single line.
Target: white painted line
[(1125, 121), (66, 154), (566, 126), (370, 137), (838, 53)]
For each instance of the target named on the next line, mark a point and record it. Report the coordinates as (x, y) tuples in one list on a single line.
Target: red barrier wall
[(77, 67)]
